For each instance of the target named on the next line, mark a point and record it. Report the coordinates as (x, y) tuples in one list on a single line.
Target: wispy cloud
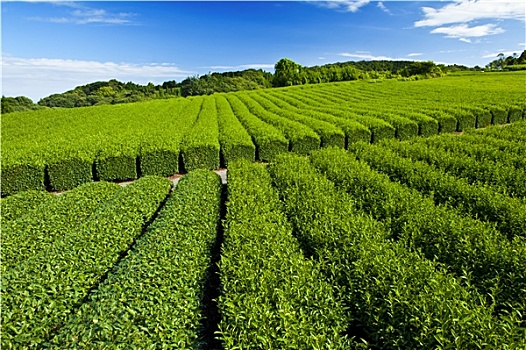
[(453, 20), (414, 54), (463, 31), (451, 51), (244, 66), (382, 7), (40, 77), (467, 11), (365, 55), (342, 5), (81, 14)]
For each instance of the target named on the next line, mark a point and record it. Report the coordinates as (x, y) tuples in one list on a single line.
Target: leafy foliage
[(272, 297), (467, 247), (398, 299), (200, 146), (44, 289), (23, 203), (30, 235), (478, 201), (235, 141), (152, 298), (269, 140), (302, 139)]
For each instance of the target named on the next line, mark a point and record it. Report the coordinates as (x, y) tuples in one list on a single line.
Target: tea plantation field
[(60, 149), (368, 221)]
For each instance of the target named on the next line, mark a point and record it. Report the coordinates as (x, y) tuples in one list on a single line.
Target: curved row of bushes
[(39, 293), (396, 298), (153, 297)]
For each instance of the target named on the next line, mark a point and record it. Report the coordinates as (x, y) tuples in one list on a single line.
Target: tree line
[(512, 62), (287, 72)]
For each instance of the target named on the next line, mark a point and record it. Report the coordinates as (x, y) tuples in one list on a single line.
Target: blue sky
[(52, 46)]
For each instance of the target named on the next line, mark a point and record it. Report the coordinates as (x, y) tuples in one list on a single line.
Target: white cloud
[(342, 5), (413, 54), (80, 14), (382, 7), (467, 11), (451, 51), (244, 66), (40, 77), (367, 56), (463, 31)]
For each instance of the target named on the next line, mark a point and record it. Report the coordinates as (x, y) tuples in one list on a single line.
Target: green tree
[(7, 106), (287, 73)]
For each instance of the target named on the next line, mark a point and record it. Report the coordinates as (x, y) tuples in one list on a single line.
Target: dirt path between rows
[(174, 179)]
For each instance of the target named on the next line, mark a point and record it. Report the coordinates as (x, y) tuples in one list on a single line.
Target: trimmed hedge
[(514, 133), (200, 146), (354, 131), (405, 128), (159, 151), (466, 119), (514, 114), (24, 203), (70, 168), (22, 175), (447, 123), (272, 297), (40, 293), (494, 266), (483, 116), (330, 134), (379, 128), (152, 298), (117, 162), (500, 177), (499, 114), (235, 141), (481, 148), (160, 157), (31, 235), (302, 138), (479, 202), (427, 126), (396, 298), (269, 141)]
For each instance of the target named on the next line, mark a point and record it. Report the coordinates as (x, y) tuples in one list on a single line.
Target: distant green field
[(60, 149)]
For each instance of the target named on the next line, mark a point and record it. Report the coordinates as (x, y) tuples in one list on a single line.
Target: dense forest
[(287, 72)]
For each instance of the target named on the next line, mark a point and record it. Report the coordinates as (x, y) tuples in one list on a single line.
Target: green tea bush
[(302, 138), (31, 235), (398, 299), (200, 146), (24, 203), (465, 245), (269, 140), (272, 296), (502, 178), (479, 202), (22, 175), (152, 298), (38, 294), (354, 131), (235, 141), (330, 134)]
